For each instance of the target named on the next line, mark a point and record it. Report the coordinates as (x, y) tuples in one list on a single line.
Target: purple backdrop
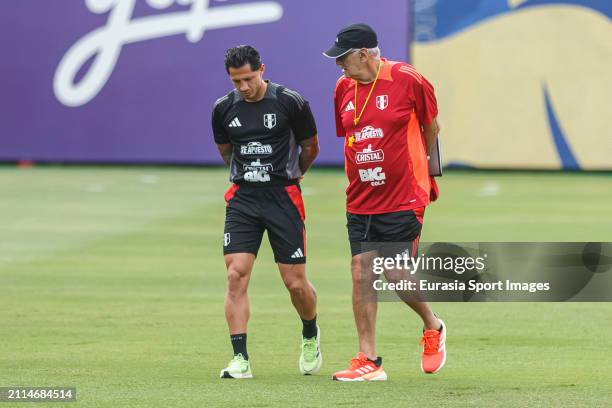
[(155, 104)]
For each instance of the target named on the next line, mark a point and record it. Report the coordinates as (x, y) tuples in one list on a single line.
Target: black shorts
[(277, 209), (399, 231)]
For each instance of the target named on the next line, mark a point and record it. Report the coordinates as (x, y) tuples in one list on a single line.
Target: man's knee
[(360, 271), (296, 286), (397, 275), (294, 278), (237, 279)]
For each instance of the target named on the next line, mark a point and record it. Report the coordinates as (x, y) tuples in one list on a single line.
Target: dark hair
[(239, 55)]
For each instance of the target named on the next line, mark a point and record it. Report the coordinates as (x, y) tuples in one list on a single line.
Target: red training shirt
[(387, 164)]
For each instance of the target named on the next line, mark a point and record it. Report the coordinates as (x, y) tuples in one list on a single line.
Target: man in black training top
[(268, 136)]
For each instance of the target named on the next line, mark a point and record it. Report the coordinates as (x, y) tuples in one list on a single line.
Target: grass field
[(112, 280)]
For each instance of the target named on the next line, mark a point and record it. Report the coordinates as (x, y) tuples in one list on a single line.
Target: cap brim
[(336, 52)]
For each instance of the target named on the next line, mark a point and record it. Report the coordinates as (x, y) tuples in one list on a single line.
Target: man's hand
[(431, 134), (310, 150), (226, 152)]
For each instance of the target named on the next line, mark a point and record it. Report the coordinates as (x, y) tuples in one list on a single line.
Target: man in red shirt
[(386, 111)]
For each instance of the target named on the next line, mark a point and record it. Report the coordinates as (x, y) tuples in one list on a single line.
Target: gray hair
[(375, 52)]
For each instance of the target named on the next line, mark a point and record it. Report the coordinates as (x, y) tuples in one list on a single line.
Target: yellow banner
[(527, 88)]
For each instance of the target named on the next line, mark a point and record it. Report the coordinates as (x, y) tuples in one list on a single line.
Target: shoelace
[(238, 362), (310, 350), (238, 358), (357, 362), (431, 341)]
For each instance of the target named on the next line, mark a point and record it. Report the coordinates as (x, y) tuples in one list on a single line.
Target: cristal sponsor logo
[(103, 45), (258, 165), (257, 172), (375, 176), (369, 132), (254, 148), (368, 155)]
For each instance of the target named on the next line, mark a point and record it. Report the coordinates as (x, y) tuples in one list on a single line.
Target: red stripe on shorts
[(296, 198), (230, 193)]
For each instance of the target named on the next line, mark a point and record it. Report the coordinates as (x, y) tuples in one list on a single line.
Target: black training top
[(264, 134)]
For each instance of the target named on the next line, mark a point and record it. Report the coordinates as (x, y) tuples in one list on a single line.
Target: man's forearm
[(307, 157), (431, 134), (310, 151), (430, 140), (227, 157), (225, 150)]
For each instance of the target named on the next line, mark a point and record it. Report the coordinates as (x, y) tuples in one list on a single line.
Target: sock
[(309, 328), (377, 362), (239, 342)]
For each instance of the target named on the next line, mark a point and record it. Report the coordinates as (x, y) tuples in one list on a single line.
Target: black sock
[(239, 344), (309, 328), (377, 362)]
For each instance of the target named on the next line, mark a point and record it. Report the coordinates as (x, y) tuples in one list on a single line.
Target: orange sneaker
[(361, 369), (434, 350)]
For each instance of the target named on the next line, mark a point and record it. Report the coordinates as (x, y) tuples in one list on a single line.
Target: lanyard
[(356, 118)]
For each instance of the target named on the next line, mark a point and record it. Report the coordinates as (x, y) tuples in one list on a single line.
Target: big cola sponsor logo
[(257, 172), (375, 176)]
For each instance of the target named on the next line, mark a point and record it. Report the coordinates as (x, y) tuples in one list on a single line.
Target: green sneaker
[(239, 367), (311, 359)]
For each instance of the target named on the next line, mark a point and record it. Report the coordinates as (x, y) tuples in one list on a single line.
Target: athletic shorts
[(277, 209), (396, 231)]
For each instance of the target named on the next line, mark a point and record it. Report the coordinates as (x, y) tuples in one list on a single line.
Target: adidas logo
[(298, 254), (235, 123), (349, 106)]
